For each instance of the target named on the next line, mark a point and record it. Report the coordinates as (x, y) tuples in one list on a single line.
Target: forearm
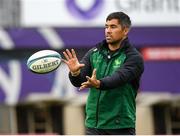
[(76, 80), (113, 81), (126, 74)]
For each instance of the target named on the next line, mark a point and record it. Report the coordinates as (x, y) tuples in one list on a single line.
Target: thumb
[(81, 65), (63, 60)]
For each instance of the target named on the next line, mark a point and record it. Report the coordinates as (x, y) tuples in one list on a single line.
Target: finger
[(73, 53), (83, 87), (88, 78), (94, 73), (85, 83), (69, 53), (90, 81), (65, 61), (80, 88), (65, 55)]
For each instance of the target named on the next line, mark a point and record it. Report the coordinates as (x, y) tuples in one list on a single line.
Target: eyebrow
[(111, 25)]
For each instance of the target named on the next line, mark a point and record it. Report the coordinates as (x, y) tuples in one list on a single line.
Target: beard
[(113, 42)]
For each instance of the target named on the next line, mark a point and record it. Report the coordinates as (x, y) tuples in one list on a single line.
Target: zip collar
[(104, 49)]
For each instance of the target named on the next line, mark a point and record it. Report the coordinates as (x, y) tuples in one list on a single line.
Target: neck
[(115, 46)]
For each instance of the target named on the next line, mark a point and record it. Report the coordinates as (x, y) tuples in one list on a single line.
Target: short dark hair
[(124, 19)]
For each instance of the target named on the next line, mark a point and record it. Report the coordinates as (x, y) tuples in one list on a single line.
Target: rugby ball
[(44, 61)]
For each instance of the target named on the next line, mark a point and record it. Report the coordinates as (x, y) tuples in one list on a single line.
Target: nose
[(108, 30)]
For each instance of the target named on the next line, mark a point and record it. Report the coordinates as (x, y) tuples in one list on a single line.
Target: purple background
[(159, 76), (87, 37)]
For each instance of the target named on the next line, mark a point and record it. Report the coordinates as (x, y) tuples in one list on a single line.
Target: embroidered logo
[(117, 63)]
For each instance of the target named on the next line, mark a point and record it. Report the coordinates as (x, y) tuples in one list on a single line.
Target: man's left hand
[(91, 81)]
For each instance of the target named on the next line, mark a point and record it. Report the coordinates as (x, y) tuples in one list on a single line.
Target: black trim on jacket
[(130, 71)]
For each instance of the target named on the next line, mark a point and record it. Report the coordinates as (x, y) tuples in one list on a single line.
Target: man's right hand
[(72, 62)]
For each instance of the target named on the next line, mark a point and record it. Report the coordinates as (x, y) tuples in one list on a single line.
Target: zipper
[(97, 109), (109, 57)]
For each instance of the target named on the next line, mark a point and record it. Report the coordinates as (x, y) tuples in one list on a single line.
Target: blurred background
[(48, 103)]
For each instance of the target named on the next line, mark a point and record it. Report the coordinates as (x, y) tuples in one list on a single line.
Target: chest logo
[(117, 63)]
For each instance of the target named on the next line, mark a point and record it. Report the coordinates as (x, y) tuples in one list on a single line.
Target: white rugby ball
[(44, 61)]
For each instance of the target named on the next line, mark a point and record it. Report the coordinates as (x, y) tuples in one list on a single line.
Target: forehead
[(112, 22)]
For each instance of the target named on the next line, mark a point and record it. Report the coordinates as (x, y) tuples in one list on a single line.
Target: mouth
[(108, 37)]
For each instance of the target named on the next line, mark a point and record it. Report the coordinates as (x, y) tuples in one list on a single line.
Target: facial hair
[(115, 43)]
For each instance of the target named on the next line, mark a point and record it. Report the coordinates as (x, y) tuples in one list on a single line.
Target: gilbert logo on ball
[(44, 61)]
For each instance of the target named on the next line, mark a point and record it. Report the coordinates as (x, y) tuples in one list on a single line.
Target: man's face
[(114, 32)]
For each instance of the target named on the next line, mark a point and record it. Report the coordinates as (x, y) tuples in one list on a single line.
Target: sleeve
[(85, 71), (130, 70)]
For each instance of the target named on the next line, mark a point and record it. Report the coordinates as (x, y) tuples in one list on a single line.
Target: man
[(112, 71)]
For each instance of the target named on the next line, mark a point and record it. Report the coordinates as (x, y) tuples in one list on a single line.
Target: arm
[(130, 70)]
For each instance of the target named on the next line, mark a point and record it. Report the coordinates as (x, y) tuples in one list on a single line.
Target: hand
[(72, 61), (91, 81)]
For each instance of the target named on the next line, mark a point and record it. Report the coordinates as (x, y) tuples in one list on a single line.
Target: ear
[(126, 30)]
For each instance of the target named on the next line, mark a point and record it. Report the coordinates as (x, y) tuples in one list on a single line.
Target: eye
[(113, 26)]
